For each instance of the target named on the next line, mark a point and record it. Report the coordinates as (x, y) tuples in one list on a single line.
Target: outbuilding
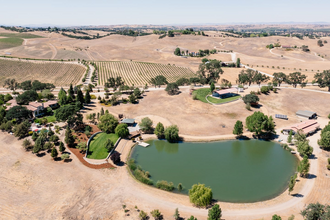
[(306, 114), (225, 93), (128, 121), (307, 127)]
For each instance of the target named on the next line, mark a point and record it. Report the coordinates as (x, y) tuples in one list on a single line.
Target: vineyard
[(139, 73), (60, 74)]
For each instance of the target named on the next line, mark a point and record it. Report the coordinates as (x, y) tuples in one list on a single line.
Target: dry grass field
[(58, 190), (139, 73), (149, 48), (60, 74)]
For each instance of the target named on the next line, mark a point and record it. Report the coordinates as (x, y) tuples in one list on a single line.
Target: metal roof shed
[(128, 121), (306, 114)]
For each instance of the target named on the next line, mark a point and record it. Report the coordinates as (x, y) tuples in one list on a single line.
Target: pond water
[(236, 171)]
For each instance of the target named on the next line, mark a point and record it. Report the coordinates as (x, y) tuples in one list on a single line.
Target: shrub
[(200, 195), (93, 96), (250, 98), (264, 89), (65, 157), (156, 214), (248, 106), (275, 90), (164, 185), (141, 176), (143, 215), (131, 164)]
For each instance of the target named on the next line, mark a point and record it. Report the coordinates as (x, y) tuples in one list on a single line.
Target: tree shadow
[(242, 138), (298, 195), (311, 176), (41, 154), (120, 164), (57, 159), (313, 157), (67, 160)]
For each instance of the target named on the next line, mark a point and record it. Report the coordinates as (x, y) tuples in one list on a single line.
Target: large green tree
[(200, 195), (302, 144), (324, 142), (172, 133), (260, 78), (250, 98), (26, 97), (247, 76), (11, 84), (238, 128), (296, 78), (323, 79), (177, 52), (279, 78), (316, 211), (64, 112), (210, 71), (172, 88), (303, 167), (260, 123), (62, 98), (158, 81), (22, 129), (122, 130), (146, 125), (108, 123), (159, 130), (19, 113)]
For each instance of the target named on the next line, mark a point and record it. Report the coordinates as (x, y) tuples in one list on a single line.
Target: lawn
[(51, 118), (96, 147), (202, 93), (219, 101)]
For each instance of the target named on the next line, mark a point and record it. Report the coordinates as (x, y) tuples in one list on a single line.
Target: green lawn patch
[(202, 93), (219, 101), (96, 147), (10, 42), (51, 118)]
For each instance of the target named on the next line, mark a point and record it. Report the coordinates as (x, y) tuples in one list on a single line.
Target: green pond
[(236, 171)]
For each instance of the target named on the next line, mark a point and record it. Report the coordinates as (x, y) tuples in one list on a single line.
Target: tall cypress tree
[(54, 153), (71, 92), (80, 97), (87, 97), (69, 139), (62, 148)]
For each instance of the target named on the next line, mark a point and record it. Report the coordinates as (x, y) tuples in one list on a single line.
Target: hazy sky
[(107, 12)]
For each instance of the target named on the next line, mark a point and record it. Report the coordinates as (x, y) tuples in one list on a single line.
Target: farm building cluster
[(37, 108)]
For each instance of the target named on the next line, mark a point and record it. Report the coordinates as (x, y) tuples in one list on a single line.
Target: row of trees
[(296, 78), (259, 123), (250, 76), (36, 85), (171, 133)]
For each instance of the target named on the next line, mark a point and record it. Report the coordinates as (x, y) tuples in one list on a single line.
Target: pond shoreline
[(266, 198)]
